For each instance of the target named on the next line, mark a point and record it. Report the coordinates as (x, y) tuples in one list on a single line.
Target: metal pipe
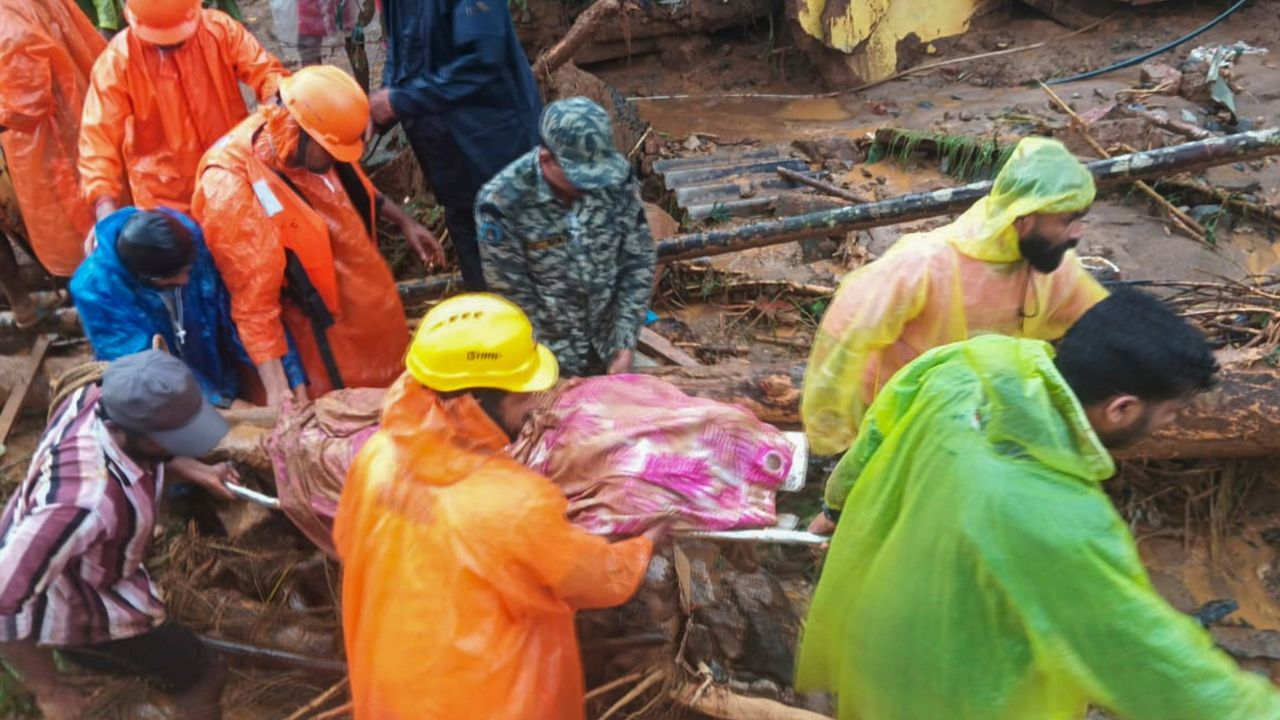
[(282, 657), (253, 496)]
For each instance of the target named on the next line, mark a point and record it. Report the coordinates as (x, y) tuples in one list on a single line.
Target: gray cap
[(153, 393), (578, 132)]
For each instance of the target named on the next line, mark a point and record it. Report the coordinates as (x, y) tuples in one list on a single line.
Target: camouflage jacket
[(583, 273)]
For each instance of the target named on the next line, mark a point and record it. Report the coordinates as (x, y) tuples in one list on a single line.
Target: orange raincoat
[(47, 49), (237, 210), (960, 280), (461, 574), (151, 113)]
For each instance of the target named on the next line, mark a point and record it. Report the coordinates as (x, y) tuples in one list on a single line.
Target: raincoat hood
[(461, 572), (1041, 177), (420, 421), (1015, 396), (979, 571)]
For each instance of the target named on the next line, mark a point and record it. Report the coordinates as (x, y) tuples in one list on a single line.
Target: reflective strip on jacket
[(248, 239), (47, 50)]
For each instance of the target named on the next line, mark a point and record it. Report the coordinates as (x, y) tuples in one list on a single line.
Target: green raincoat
[(979, 572)]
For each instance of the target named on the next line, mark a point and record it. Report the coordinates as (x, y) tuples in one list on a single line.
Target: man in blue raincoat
[(458, 80), (150, 275)]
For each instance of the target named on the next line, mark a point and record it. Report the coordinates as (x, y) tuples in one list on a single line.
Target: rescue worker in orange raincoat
[(285, 207), (461, 573), (165, 90), (47, 50)]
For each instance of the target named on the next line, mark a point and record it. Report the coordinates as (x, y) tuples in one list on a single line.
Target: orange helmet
[(330, 107), (163, 22)]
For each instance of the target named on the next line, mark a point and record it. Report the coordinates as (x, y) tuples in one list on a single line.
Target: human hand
[(380, 110), (822, 525), (621, 362), (104, 207), (424, 244), (209, 477), (61, 702)]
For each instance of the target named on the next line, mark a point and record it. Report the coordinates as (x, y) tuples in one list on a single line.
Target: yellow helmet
[(480, 340)]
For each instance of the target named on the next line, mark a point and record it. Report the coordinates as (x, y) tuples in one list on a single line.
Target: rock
[(692, 144), (772, 626), (767, 689), (925, 104), (1243, 642), (965, 116), (1161, 77), (829, 148)]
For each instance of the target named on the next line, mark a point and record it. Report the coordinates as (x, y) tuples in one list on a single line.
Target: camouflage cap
[(578, 132)]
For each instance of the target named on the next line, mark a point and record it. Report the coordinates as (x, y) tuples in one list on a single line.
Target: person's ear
[(1122, 410), (1024, 225)]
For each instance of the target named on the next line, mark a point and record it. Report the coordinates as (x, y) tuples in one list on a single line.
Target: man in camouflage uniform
[(563, 234)]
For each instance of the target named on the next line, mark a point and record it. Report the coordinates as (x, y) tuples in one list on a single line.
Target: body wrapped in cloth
[(630, 449), (626, 450)]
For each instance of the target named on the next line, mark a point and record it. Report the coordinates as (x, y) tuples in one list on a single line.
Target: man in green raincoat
[(978, 570)]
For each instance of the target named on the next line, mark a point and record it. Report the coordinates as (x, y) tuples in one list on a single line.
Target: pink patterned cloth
[(628, 450)]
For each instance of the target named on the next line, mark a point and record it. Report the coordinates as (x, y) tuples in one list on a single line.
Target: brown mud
[(1207, 531)]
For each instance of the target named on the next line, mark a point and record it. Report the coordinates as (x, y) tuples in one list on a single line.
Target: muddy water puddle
[(768, 119)]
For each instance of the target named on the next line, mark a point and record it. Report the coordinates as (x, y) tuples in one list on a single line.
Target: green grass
[(966, 158)]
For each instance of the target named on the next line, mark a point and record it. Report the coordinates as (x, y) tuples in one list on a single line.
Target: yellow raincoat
[(979, 572), (947, 285)]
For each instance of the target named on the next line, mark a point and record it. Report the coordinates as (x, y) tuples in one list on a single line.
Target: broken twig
[(320, 701), (1182, 220), (825, 187), (653, 679)]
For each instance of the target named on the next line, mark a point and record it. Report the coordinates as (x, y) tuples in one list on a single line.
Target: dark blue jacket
[(456, 67), (120, 315)]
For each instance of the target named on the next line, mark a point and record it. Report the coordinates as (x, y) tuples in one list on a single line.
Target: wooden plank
[(18, 393), (653, 343)]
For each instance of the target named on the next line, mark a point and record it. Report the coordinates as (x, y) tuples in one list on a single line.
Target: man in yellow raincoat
[(1004, 266), (461, 573), (979, 571)]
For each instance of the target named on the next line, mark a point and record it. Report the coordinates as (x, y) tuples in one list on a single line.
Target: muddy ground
[(1208, 531)]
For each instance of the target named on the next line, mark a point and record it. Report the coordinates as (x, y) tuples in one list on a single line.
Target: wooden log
[(719, 702), (584, 28), (905, 208), (1124, 168), (1162, 120), (653, 343), (18, 390)]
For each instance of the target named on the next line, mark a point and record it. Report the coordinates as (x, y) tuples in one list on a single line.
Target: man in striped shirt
[(77, 530)]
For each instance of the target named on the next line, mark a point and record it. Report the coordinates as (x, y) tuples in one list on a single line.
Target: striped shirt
[(74, 536)]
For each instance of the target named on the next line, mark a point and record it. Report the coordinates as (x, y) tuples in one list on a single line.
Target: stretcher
[(784, 533)]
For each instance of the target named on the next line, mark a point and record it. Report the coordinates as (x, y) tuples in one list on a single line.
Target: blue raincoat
[(121, 315), (461, 86)]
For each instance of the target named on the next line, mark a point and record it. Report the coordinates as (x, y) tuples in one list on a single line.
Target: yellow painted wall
[(869, 30)]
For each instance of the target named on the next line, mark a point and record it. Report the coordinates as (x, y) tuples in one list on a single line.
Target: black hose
[(1147, 56)]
